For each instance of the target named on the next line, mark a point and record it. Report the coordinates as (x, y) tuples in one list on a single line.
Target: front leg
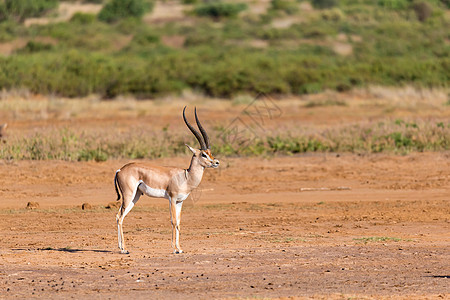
[(175, 213)]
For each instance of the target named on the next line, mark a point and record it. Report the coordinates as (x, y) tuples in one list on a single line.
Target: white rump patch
[(151, 192)]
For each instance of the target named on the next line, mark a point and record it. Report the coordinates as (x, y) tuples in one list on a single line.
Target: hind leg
[(119, 219), (128, 203)]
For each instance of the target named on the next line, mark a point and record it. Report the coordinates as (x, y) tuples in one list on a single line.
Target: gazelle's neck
[(194, 173)]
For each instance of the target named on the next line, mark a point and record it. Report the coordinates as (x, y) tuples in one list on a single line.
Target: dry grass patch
[(166, 11)]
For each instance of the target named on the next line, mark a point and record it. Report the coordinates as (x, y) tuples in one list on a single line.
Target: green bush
[(394, 4), (22, 9), (206, 35), (423, 10), (129, 25), (218, 9), (324, 3), (83, 18), (129, 57), (116, 10), (446, 3), (33, 46), (4, 15), (334, 15), (8, 30), (145, 38), (288, 6)]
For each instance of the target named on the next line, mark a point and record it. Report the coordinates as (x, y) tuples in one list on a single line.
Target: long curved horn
[(202, 130), (195, 132)]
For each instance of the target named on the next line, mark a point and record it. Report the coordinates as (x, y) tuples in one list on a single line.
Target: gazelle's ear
[(190, 148)]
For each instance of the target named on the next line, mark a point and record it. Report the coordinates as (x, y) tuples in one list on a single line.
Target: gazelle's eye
[(204, 155)]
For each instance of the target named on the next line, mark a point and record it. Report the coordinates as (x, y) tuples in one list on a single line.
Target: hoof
[(124, 252), (177, 251)]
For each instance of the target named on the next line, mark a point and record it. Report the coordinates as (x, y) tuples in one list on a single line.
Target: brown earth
[(322, 225)]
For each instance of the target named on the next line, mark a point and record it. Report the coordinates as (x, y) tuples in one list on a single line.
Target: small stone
[(86, 206), (32, 205)]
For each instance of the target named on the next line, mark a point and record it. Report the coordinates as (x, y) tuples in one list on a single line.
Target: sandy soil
[(317, 225), (324, 225)]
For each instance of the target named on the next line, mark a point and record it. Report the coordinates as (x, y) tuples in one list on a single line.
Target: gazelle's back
[(156, 177)]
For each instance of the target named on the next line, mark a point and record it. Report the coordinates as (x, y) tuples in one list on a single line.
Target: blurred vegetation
[(390, 136), (226, 49), (19, 10), (324, 3), (115, 10), (219, 9)]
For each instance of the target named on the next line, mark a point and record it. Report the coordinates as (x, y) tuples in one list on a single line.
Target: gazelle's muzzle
[(215, 163)]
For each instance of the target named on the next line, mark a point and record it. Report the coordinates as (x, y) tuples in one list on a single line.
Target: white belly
[(151, 192), (159, 193)]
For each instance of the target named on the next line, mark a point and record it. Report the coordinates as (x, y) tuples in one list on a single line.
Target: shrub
[(83, 18), (446, 3), (423, 10), (129, 25), (120, 9), (324, 3), (290, 7), (144, 41), (8, 30), (394, 4), (145, 38), (22, 9), (218, 9), (3, 12), (334, 15), (33, 46)]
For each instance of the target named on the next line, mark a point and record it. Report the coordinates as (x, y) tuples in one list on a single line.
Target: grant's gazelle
[(136, 178)]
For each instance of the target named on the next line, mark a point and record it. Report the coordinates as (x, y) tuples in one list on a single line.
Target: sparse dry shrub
[(423, 10), (397, 136)]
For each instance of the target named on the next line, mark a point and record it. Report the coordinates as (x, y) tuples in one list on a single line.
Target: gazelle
[(174, 184)]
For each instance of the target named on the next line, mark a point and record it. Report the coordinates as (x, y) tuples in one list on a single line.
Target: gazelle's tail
[(116, 185)]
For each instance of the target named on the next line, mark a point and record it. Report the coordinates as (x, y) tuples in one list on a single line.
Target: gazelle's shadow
[(69, 250)]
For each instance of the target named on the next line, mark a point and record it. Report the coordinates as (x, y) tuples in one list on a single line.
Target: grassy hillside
[(221, 48)]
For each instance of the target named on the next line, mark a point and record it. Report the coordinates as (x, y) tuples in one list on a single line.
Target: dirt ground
[(316, 225)]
